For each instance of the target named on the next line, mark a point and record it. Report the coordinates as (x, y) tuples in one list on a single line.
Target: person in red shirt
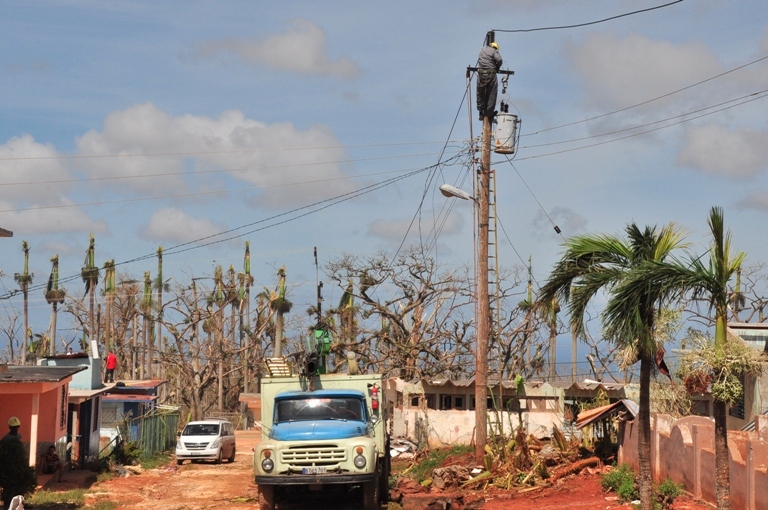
[(111, 366)]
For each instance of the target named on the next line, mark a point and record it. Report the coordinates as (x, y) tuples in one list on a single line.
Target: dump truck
[(321, 432)]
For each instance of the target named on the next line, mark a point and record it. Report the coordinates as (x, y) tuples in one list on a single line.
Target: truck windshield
[(333, 408)]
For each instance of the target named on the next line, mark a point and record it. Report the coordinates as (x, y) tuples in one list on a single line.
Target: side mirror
[(178, 434)]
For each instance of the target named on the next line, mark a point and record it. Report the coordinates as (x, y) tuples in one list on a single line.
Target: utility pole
[(483, 319), (483, 298)]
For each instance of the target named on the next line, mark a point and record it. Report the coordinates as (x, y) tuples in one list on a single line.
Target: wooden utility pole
[(483, 298)]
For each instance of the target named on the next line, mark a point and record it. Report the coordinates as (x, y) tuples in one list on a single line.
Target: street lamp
[(482, 311)]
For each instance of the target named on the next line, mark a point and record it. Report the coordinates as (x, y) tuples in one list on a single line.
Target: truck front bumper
[(299, 479)]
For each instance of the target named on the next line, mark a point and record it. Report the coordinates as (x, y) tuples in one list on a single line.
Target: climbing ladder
[(494, 286)]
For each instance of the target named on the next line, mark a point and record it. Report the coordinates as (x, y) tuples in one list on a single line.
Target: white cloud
[(757, 200), (287, 164), (49, 221), (567, 220), (392, 231), (26, 161), (174, 225), (301, 49), (33, 197), (621, 71), (715, 150)]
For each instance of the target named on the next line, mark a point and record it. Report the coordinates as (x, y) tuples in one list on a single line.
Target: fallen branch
[(575, 468)]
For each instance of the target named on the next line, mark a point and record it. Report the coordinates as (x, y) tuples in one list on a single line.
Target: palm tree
[(24, 279), (594, 263), (279, 304), (54, 295), (90, 276), (675, 279)]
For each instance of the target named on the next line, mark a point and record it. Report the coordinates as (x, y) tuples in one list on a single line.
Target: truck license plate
[(313, 471)]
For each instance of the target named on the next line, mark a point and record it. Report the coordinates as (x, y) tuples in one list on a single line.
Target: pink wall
[(684, 450)]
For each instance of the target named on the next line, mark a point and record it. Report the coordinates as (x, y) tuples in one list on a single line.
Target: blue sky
[(162, 123)]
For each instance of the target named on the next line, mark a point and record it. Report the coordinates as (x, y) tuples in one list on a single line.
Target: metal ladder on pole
[(494, 286)]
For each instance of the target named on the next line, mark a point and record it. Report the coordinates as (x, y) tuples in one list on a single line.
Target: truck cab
[(323, 432)]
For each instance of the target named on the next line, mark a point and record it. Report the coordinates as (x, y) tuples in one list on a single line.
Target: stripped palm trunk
[(54, 296), (24, 279), (90, 276)]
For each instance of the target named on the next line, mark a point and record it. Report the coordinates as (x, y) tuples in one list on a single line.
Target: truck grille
[(314, 455)]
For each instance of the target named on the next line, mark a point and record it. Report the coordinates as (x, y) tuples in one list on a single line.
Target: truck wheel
[(384, 479), (266, 497), (371, 492)]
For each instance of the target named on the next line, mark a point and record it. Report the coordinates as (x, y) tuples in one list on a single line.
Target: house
[(84, 410), (126, 401), (442, 412), (39, 397), (754, 399)]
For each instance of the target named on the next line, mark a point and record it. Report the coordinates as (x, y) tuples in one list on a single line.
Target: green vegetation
[(667, 492), (435, 458), (621, 480), (44, 498)]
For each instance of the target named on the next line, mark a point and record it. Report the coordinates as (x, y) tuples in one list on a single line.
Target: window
[(63, 415), (446, 402), (95, 415), (737, 408), (458, 402)]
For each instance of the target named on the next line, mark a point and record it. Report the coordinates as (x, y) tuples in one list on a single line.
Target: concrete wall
[(450, 427), (89, 379), (684, 451)]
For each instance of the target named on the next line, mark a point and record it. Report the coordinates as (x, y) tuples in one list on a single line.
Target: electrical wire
[(198, 243), (643, 132), (589, 22), (649, 100)]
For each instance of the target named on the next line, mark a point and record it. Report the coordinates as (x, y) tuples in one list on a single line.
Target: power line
[(649, 100), (646, 131), (589, 22), (196, 243)]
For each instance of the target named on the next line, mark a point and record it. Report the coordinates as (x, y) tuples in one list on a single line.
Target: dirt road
[(231, 486)]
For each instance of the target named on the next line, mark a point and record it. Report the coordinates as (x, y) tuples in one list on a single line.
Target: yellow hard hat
[(14, 422), (495, 45)]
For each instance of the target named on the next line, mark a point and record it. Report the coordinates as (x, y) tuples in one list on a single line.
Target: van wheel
[(179, 462), (266, 497), (218, 459), (232, 456)]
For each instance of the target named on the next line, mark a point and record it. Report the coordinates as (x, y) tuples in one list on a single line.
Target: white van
[(206, 440)]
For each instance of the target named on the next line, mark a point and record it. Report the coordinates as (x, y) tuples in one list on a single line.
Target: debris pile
[(522, 464)]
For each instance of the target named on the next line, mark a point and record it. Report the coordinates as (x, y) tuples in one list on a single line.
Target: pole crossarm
[(500, 71)]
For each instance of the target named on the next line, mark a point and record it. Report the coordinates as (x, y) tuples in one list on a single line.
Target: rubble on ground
[(522, 464)]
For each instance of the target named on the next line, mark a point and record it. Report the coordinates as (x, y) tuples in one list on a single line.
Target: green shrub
[(621, 480), (666, 493), (48, 498)]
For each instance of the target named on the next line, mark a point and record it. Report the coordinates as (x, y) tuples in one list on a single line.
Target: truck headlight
[(267, 464), (359, 460)]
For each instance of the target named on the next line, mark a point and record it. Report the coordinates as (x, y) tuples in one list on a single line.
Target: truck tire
[(266, 497), (371, 492), (386, 468)]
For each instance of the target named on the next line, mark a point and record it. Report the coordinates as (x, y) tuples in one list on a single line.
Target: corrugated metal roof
[(626, 406), (110, 397), (37, 373)]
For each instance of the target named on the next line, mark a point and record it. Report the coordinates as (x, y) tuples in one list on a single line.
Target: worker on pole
[(488, 63)]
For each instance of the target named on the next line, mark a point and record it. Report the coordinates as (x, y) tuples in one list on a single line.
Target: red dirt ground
[(231, 486)]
